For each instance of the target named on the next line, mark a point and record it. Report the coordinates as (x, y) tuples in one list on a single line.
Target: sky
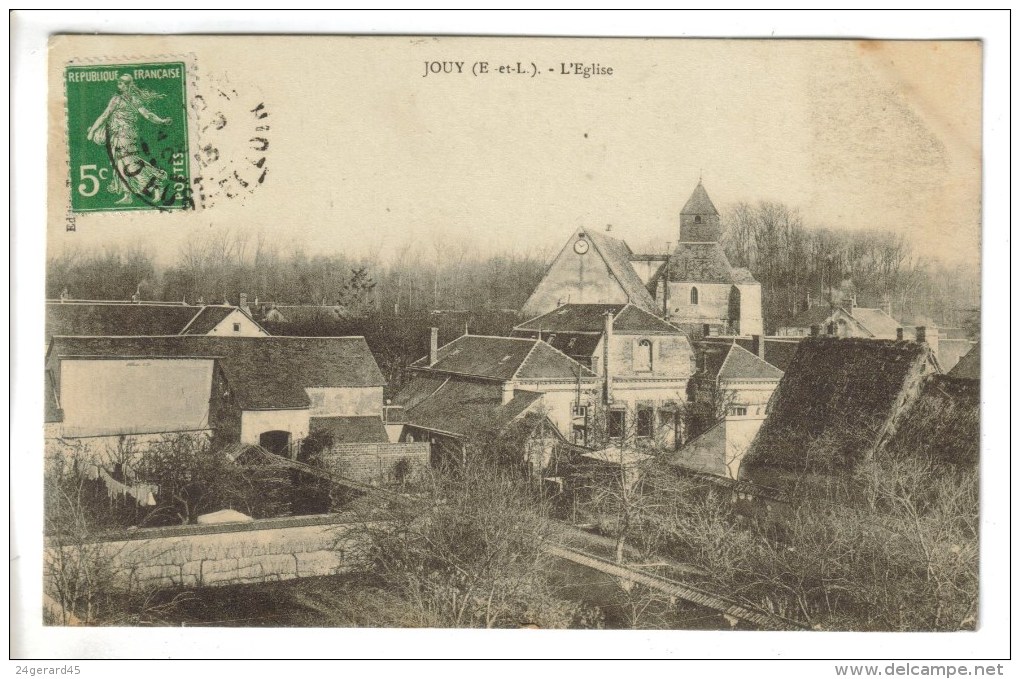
[(366, 155)]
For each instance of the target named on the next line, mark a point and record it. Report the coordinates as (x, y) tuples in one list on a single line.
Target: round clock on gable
[(581, 246)]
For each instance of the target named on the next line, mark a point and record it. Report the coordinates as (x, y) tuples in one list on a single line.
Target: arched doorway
[(276, 442)]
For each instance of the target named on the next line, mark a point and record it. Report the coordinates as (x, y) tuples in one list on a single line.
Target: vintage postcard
[(502, 333)]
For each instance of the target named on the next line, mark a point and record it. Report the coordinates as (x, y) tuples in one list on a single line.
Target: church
[(694, 287)]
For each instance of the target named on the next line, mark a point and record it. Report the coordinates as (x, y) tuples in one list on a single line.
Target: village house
[(729, 394), (843, 401), (116, 318), (845, 320), (643, 361), (270, 391), (479, 386)]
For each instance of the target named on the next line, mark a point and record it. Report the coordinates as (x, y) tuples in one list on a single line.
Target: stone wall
[(201, 556), (377, 463)]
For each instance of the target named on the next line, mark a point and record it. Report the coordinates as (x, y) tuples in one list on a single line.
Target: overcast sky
[(366, 154)]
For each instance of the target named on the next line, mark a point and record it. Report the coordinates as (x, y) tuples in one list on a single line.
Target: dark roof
[(835, 402), (742, 276), (741, 364), (969, 367), (779, 351), (627, 318), (573, 317), (700, 263), (617, 257), (365, 429), (816, 315), (463, 407), (503, 358), (207, 319), (264, 372), (117, 318), (943, 424), (576, 345), (699, 203)]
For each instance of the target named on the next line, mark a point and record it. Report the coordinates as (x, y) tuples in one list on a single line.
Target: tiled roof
[(742, 276), (700, 263), (573, 317), (942, 424), (617, 256), (834, 403), (627, 318), (207, 319), (503, 358), (969, 367), (364, 429), (741, 364), (876, 321), (117, 318), (264, 372), (463, 407), (699, 203)]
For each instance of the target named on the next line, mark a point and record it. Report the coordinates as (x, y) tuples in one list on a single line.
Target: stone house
[(477, 386), (644, 364), (730, 392), (109, 319), (270, 391)]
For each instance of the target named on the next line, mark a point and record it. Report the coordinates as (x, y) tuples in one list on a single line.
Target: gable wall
[(574, 278)]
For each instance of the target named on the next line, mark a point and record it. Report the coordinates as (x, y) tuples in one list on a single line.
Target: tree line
[(793, 261)]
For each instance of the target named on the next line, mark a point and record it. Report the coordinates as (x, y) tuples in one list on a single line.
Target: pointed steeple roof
[(699, 203)]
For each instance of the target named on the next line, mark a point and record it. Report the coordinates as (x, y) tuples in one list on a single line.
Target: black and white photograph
[(513, 333)]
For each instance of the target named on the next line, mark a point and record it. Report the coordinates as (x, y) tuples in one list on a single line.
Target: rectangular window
[(237, 327), (644, 422), (738, 410), (617, 423), (580, 411), (580, 437)]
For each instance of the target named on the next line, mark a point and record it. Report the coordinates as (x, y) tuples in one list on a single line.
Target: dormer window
[(694, 295), (697, 219)]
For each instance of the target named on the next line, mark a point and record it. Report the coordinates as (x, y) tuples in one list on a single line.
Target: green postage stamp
[(127, 137)]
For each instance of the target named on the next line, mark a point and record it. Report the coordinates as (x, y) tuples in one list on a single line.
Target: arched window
[(697, 219), (694, 295), (643, 359)]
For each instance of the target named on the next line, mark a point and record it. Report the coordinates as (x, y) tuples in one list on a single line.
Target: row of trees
[(792, 261), (222, 264)]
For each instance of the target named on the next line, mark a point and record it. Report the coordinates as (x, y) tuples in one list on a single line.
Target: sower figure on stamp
[(117, 128)]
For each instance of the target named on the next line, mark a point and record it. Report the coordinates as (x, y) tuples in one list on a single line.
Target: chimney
[(887, 305), (899, 334), (816, 330), (433, 346), (607, 340), (609, 228), (244, 300), (830, 329), (508, 392), (758, 342), (929, 336)]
